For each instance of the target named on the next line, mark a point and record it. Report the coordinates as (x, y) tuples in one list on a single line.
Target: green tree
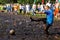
[(22, 1), (3, 1)]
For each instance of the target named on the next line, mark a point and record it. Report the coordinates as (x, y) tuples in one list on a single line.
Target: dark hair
[(48, 6)]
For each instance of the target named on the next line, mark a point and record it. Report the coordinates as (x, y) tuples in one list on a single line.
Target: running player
[(49, 20)]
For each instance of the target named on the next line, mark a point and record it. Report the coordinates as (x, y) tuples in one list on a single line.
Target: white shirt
[(27, 7), (34, 6), (20, 6), (42, 7), (48, 4)]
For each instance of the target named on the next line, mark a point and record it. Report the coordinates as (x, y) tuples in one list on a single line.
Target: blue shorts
[(49, 23)]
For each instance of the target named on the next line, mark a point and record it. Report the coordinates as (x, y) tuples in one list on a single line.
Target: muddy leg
[(46, 28)]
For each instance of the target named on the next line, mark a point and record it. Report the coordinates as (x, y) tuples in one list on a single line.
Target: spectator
[(27, 8), (20, 7), (8, 7), (33, 9), (48, 4), (23, 8), (12, 5), (56, 9), (16, 7), (38, 7), (4, 7), (42, 7)]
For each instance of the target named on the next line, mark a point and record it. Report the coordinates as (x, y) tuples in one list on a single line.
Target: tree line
[(21, 1)]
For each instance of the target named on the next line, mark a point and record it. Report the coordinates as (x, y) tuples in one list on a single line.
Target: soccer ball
[(12, 32)]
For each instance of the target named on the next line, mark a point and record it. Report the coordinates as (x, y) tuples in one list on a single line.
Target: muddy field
[(25, 29)]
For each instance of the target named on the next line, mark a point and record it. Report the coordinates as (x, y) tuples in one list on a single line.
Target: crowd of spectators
[(27, 8)]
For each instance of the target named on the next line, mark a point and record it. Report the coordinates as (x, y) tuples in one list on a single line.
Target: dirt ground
[(25, 29)]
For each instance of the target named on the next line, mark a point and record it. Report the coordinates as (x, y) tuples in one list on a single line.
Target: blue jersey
[(49, 16)]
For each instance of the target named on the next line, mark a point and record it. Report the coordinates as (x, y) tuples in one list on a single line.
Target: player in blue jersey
[(50, 17)]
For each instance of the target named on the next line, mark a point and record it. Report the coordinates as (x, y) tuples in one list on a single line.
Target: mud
[(25, 29)]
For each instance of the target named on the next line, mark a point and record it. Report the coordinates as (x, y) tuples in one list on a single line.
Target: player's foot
[(46, 31), (44, 26)]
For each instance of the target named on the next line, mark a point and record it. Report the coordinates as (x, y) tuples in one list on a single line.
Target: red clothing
[(56, 11)]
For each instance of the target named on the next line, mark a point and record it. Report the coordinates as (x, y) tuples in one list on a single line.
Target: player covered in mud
[(49, 20)]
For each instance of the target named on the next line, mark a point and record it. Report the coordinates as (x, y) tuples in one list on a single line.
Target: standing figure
[(34, 8), (38, 7), (8, 7), (16, 7), (56, 9), (50, 17), (27, 8), (42, 7), (20, 8)]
